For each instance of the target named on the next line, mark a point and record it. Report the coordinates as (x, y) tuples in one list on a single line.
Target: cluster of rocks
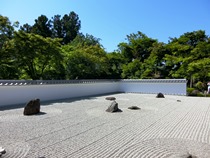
[(2, 151), (114, 105), (32, 107)]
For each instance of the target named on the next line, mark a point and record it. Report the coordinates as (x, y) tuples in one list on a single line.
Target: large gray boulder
[(32, 107), (113, 107)]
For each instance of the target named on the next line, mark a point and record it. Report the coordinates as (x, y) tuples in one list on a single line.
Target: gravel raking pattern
[(162, 148), (162, 128), (16, 149)]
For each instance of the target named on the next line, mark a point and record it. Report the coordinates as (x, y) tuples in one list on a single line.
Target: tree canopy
[(34, 55), (56, 49)]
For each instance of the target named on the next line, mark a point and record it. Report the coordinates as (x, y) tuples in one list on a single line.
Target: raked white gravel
[(174, 126)]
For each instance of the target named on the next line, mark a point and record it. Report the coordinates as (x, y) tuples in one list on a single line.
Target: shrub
[(195, 92), (200, 86), (200, 95), (189, 90)]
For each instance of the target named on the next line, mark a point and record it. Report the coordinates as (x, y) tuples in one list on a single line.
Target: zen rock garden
[(99, 120), (32, 107)]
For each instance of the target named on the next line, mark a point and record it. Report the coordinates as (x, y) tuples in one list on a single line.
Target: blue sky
[(112, 20)]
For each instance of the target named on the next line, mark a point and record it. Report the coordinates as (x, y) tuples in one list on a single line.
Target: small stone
[(32, 107), (190, 156), (110, 98), (134, 108), (178, 100), (160, 95), (2, 151)]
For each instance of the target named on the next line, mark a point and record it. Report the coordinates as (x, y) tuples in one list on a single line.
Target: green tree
[(80, 65), (84, 60), (26, 28), (8, 68), (71, 26), (187, 50), (155, 64), (136, 51), (132, 70), (36, 56), (42, 27), (137, 47), (66, 27), (57, 29), (6, 30), (116, 62), (82, 40)]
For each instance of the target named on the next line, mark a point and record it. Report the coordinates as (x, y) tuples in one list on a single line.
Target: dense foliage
[(56, 49)]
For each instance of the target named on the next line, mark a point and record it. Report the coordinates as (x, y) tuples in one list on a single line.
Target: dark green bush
[(200, 95), (195, 92), (189, 90), (200, 86)]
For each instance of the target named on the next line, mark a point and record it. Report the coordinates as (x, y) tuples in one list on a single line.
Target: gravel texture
[(82, 128)]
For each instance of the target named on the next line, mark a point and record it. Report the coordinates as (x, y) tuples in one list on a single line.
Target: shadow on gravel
[(46, 103), (41, 113)]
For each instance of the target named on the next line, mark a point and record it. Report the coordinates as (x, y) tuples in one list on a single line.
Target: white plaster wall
[(165, 88), (12, 93), (22, 94)]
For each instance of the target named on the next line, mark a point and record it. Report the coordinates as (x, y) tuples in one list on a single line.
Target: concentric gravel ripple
[(17, 117), (167, 148), (16, 150)]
